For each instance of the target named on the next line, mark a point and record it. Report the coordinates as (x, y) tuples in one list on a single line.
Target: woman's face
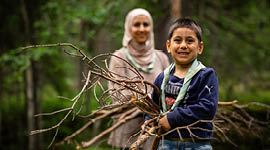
[(140, 29)]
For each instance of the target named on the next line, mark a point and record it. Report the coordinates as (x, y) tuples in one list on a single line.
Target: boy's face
[(140, 29), (184, 46)]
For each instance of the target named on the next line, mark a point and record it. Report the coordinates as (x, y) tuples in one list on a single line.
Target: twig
[(107, 131)]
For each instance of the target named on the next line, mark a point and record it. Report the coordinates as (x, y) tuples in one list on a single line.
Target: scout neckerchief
[(147, 69), (195, 67)]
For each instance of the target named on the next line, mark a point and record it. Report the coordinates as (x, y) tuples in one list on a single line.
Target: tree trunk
[(32, 106), (161, 25), (214, 41), (176, 9), (1, 89), (81, 66), (37, 106), (29, 92), (28, 76), (201, 9), (187, 8), (163, 22)]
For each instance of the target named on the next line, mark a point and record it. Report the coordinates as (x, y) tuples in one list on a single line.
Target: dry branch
[(230, 115), (125, 117)]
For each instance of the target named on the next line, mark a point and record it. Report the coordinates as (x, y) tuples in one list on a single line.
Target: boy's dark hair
[(187, 23)]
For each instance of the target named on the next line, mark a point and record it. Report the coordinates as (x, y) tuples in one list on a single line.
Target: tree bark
[(1, 89), (32, 105), (28, 76), (187, 8), (37, 105), (81, 67), (201, 9), (176, 9), (214, 41), (29, 105)]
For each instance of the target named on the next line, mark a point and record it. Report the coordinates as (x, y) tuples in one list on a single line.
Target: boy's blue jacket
[(199, 103)]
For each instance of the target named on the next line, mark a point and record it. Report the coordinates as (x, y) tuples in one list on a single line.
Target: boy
[(189, 90)]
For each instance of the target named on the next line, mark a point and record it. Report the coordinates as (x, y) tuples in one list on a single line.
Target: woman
[(138, 49)]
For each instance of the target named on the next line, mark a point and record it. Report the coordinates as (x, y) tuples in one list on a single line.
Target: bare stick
[(107, 131)]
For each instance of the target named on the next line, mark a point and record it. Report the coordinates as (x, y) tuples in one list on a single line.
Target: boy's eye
[(177, 40), (190, 40)]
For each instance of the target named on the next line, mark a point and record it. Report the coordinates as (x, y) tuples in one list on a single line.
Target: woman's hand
[(164, 123)]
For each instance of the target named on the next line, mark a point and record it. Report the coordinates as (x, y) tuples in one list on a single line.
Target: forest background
[(234, 32)]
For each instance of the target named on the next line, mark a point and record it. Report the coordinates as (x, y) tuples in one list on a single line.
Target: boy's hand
[(164, 123), (147, 125)]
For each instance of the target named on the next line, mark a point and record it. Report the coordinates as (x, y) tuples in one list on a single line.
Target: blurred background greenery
[(234, 32)]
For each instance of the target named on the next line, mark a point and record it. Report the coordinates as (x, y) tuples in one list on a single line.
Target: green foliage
[(17, 62), (12, 104)]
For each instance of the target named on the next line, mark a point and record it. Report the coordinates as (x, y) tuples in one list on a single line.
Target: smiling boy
[(189, 90)]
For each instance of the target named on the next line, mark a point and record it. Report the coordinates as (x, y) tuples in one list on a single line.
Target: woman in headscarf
[(138, 48)]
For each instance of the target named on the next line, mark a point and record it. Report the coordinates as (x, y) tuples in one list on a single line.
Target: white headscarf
[(128, 23), (141, 53)]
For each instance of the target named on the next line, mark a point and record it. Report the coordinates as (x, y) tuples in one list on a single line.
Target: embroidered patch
[(170, 101)]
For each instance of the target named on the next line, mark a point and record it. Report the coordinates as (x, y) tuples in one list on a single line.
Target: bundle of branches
[(135, 102), (250, 120)]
